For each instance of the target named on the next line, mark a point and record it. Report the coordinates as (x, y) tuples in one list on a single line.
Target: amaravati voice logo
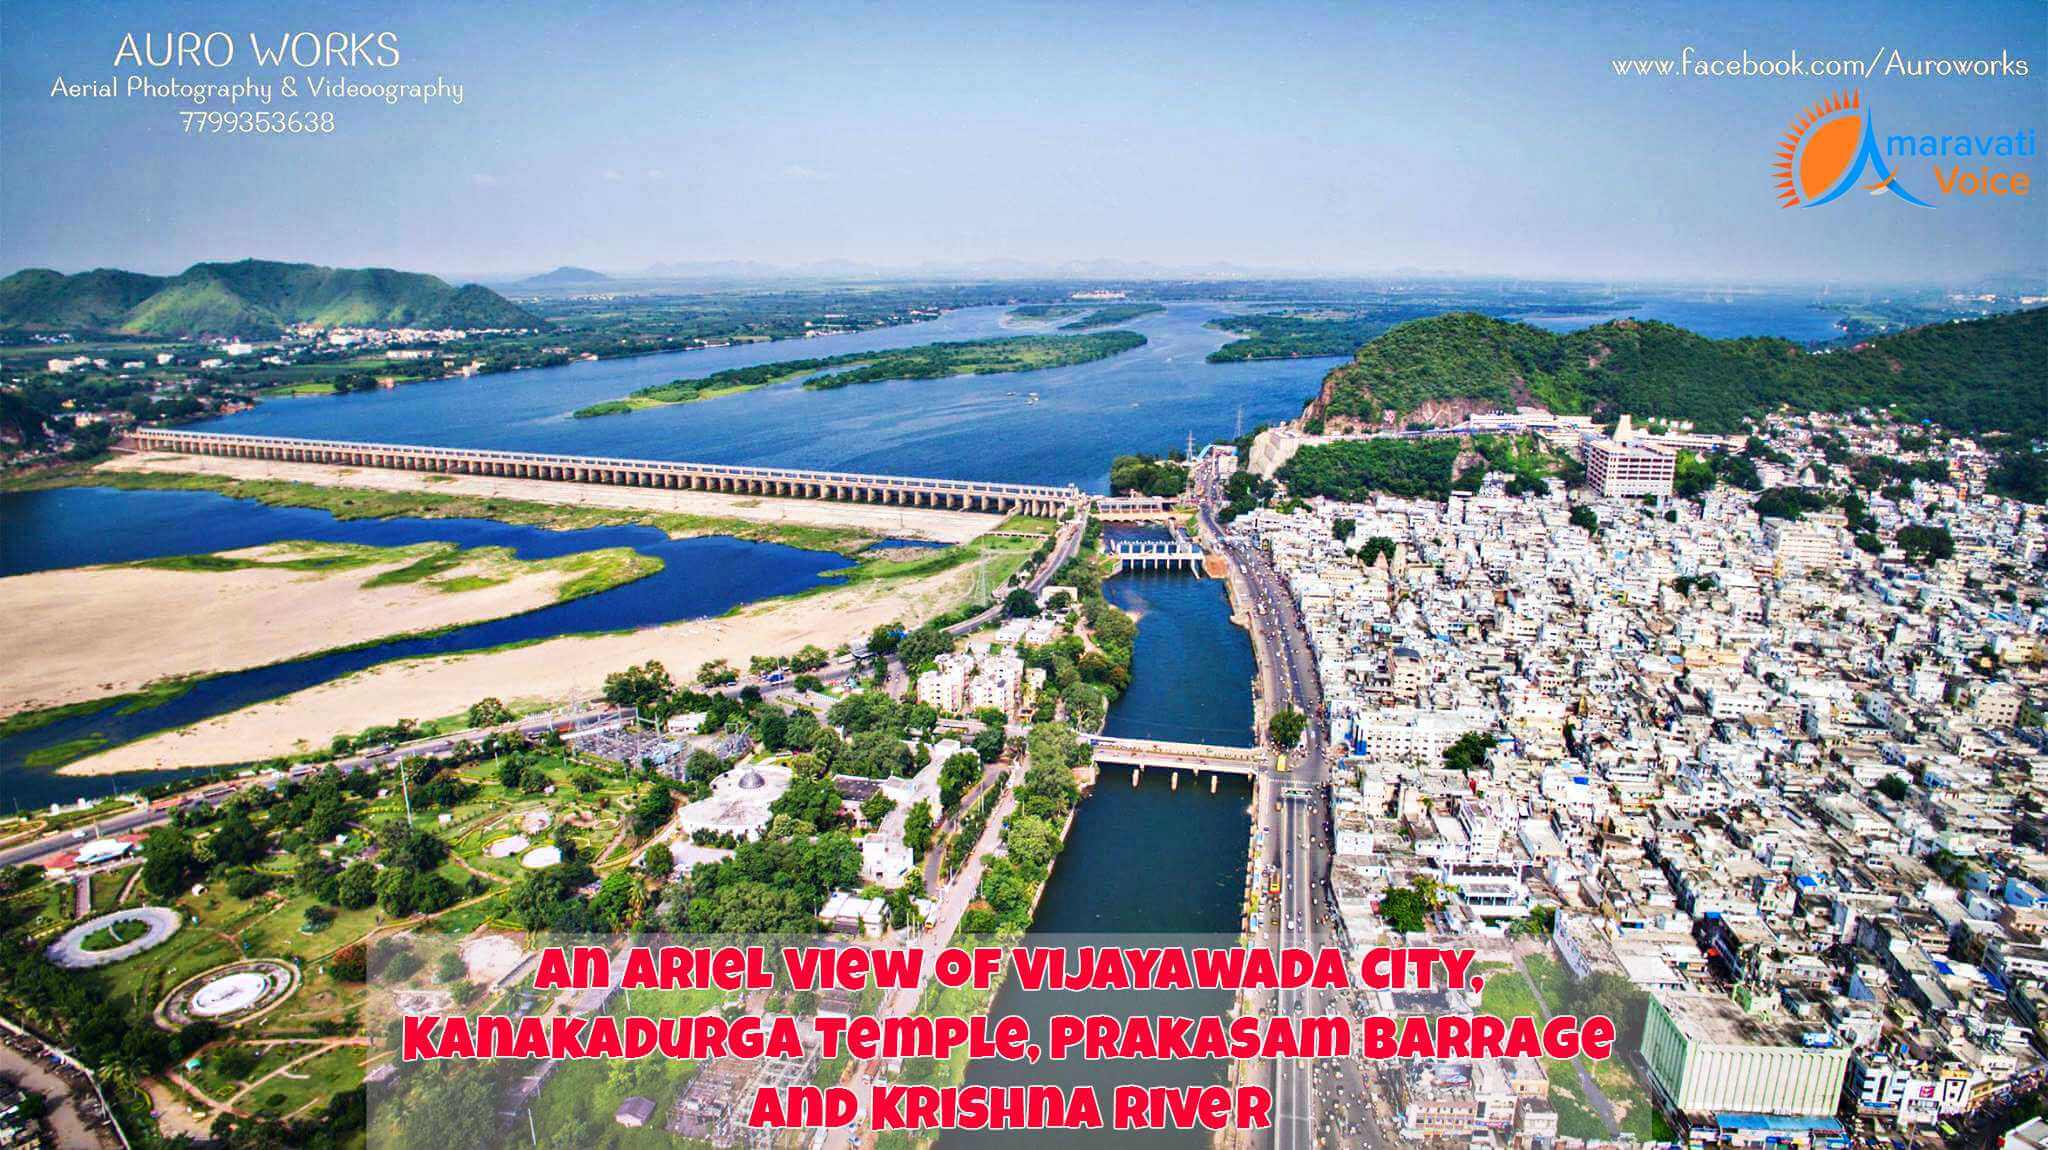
[(1827, 149)]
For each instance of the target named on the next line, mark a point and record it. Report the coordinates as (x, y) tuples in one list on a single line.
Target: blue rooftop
[(1780, 1122)]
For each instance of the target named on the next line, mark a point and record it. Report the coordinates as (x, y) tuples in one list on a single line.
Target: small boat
[(1031, 399)]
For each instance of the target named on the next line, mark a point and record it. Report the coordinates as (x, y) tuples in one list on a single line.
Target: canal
[(1148, 864)]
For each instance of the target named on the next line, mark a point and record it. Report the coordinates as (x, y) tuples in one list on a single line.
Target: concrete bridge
[(1134, 509), (1156, 555), (794, 483), (1197, 757)]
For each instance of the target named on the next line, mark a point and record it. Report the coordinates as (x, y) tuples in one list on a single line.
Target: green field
[(112, 935)]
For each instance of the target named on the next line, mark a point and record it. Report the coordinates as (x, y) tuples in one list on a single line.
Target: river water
[(40, 531), (1150, 399), (967, 427)]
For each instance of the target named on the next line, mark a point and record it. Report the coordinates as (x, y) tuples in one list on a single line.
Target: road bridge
[(1134, 509), (786, 482), (1185, 756)]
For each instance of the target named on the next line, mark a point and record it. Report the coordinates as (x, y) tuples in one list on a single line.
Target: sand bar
[(87, 633), (559, 670), (876, 519)]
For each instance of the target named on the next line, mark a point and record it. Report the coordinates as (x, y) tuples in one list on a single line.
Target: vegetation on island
[(1291, 336), (248, 299), (444, 567), (929, 361), (1111, 315), (1972, 375), (1089, 316)]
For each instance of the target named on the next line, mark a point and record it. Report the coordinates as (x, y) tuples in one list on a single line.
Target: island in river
[(929, 361)]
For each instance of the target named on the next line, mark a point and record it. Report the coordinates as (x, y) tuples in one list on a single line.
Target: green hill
[(1975, 375), (252, 298)]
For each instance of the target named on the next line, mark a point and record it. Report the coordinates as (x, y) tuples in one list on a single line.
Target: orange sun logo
[(1826, 150)]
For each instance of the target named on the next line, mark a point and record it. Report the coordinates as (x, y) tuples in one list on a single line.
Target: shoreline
[(549, 670), (262, 606)]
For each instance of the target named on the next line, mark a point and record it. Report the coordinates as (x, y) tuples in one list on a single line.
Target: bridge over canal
[(1186, 756)]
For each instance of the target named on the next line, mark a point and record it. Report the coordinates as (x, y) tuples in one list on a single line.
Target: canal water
[(42, 530), (1149, 864)]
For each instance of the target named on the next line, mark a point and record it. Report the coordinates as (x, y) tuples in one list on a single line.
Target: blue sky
[(1339, 138)]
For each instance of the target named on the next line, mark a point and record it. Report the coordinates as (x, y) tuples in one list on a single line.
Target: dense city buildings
[(1773, 752)]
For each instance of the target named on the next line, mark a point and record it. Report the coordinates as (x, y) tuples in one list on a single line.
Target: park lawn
[(47, 905), (1551, 979), (1029, 525), (219, 1087), (1575, 1119), (463, 919), (1634, 1112), (587, 1093), (313, 1081), (282, 934), (322, 1007), (1506, 993), (114, 934), (106, 889)]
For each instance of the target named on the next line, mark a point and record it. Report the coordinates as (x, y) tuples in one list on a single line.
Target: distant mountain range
[(1971, 375), (565, 277), (247, 299)]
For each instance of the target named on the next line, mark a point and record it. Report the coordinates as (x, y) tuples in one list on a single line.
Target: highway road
[(1314, 1102)]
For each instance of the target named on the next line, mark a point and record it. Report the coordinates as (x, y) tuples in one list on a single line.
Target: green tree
[(168, 862), (1087, 707), (1469, 751), (237, 841), (883, 639), (653, 810), (1286, 727), (657, 862), (956, 775), (988, 743), (917, 828), (1404, 909), (489, 712), (1020, 603), (924, 645), (876, 807), (1923, 543), (357, 887)]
